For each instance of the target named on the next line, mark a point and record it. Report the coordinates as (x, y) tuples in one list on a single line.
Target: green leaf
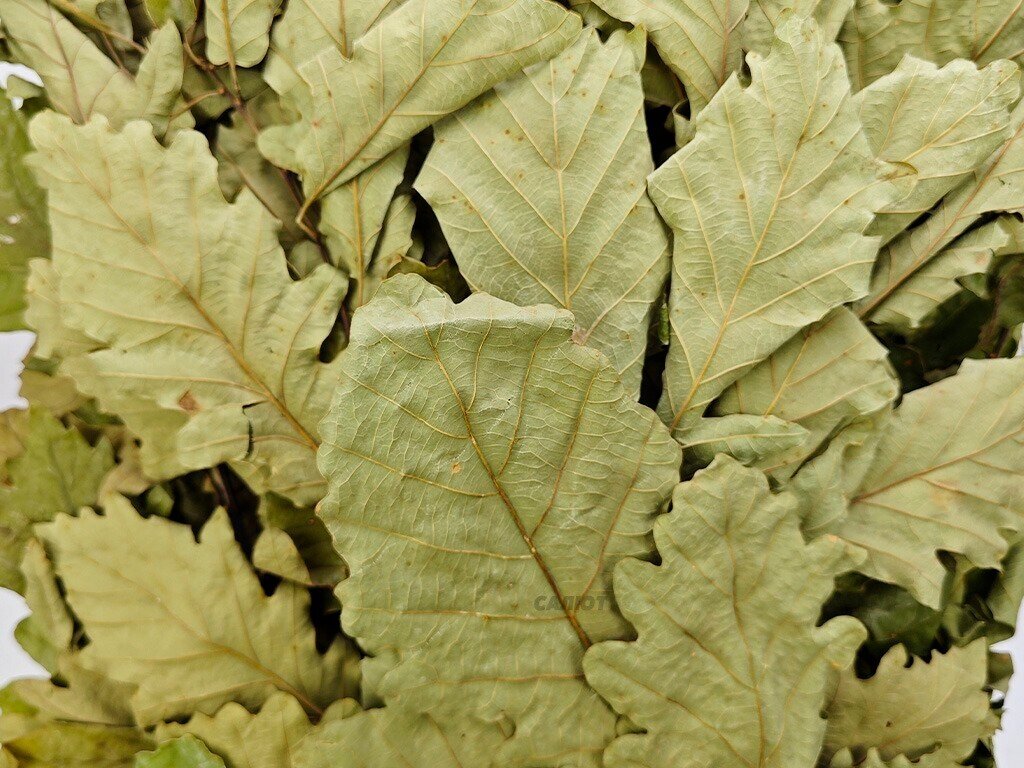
[(555, 473), (540, 189), (308, 28), (879, 33), (453, 51), (238, 31), (267, 739), (309, 541), (367, 227), (767, 204), (58, 471), (145, 591), (48, 631), (939, 709), (935, 126), (826, 377), (767, 16), (945, 476), (212, 288), (917, 264), (1008, 592), (699, 39), (725, 670), (24, 232), (758, 441), (185, 752), (79, 79)]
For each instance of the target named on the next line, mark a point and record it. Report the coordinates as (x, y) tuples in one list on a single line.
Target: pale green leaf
[(145, 591), (240, 165), (358, 110), (540, 189), (758, 441), (309, 539), (699, 39), (83, 695), (49, 623), (238, 31), (1008, 592), (58, 471), (766, 16), (79, 79), (55, 340), (485, 474), (367, 228), (829, 375), (729, 666), (267, 739), (995, 186), (935, 126), (914, 301), (184, 752), (938, 708), (159, 79), (388, 737), (308, 28), (768, 204), (946, 476), (211, 287), (878, 33), (24, 232), (55, 744)]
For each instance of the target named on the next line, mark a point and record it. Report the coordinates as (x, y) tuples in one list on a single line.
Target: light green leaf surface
[(185, 752), (935, 126), (266, 739), (24, 232), (913, 264), (308, 28), (159, 80), (238, 31), (54, 339), (757, 441), (240, 165), (829, 375), (388, 737), (1008, 592), (767, 204), (309, 541), (725, 671), (878, 33), (367, 228), (47, 631), (358, 110), (145, 592), (699, 39), (939, 708), (946, 476), (57, 471), (80, 80), (767, 16), (486, 513), (541, 190), (211, 287)]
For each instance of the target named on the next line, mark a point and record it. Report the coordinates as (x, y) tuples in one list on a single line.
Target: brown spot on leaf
[(188, 403)]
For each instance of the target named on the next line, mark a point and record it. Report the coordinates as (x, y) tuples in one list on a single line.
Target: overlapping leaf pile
[(513, 383)]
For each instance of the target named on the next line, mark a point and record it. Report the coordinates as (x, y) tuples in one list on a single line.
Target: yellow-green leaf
[(541, 190), (729, 666), (485, 512)]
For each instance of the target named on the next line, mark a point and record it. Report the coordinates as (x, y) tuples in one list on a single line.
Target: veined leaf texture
[(513, 383)]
